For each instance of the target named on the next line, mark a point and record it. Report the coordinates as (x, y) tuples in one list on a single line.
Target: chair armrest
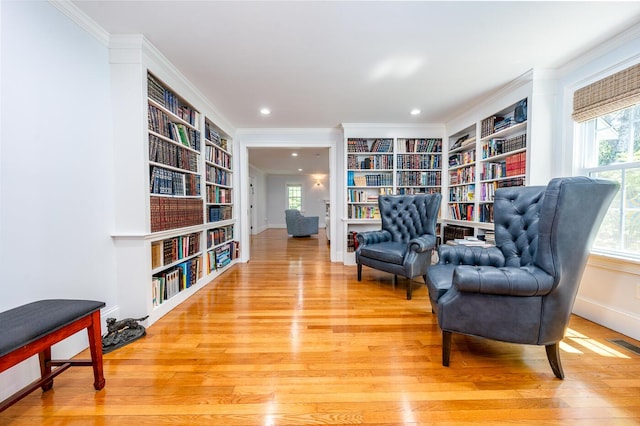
[(310, 220), (507, 281), (475, 256), (372, 237), (422, 243)]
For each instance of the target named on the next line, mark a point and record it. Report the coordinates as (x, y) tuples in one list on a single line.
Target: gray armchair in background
[(300, 226), (523, 290), (405, 243)]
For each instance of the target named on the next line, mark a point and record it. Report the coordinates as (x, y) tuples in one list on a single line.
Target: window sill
[(619, 264)]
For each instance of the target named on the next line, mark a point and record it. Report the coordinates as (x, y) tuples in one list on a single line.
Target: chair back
[(409, 216), (290, 216), (570, 217), (516, 216)]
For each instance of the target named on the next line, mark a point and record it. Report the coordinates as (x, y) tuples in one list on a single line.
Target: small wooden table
[(33, 328)]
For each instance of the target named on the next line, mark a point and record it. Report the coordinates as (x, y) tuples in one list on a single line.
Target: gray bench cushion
[(27, 323)]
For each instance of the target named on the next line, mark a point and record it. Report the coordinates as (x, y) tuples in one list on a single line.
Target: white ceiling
[(319, 64)]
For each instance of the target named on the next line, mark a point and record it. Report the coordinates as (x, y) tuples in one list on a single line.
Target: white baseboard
[(627, 323)]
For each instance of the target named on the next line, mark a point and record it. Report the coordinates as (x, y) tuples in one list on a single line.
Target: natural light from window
[(612, 151), (294, 196)]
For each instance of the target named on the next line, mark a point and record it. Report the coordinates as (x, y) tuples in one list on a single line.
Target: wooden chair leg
[(553, 355), (409, 288), (95, 347), (359, 271), (446, 347), (45, 368)]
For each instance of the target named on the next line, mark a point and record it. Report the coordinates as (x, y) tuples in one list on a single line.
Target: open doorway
[(262, 161)]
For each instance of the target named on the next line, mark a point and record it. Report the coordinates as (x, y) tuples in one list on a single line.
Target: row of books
[(464, 193), (169, 182), (165, 152), (357, 211), (179, 247), (494, 147), (167, 284), (379, 179), (486, 215), (169, 100), (420, 145), (419, 161), (488, 190), (211, 134), (352, 243), (369, 145), (452, 232), (464, 175), (218, 213), (214, 155), (422, 190), (516, 164), (219, 235), (216, 194), (358, 196), (371, 162), (462, 158), (217, 176), (222, 255), (419, 178), (462, 211), (162, 124), (172, 213)]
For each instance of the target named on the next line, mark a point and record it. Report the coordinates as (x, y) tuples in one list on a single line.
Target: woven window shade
[(618, 91)]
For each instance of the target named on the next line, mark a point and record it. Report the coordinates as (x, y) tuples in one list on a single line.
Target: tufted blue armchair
[(404, 244), (300, 226), (522, 290)]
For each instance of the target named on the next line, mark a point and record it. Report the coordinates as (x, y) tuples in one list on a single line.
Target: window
[(294, 196), (612, 151)]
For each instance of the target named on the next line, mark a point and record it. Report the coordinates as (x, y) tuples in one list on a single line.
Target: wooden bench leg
[(45, 368), (95, 346)]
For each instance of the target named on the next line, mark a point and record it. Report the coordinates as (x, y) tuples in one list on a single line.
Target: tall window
[(612, 151), (608, 111), (294, 196)]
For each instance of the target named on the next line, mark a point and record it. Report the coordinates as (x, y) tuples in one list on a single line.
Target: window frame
[(585, 139), (288, 197)]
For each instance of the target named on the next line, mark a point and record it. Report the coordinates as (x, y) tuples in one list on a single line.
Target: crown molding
[(82, 20)]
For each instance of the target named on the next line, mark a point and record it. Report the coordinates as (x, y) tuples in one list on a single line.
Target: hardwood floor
[(292, 339)]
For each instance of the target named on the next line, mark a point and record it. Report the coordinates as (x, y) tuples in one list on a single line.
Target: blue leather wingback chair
[(404, 244), (300, 226), (522, 290)]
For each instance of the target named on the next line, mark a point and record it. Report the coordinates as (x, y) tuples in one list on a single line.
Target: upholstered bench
[(32, 328)]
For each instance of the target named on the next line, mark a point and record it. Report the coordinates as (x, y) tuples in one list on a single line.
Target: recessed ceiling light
[(265, 111), (294, 154), (415, 111), (299, 170)]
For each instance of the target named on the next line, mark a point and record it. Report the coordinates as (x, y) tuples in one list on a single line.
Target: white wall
[(260, 220), (56, 168), (312, 198), (609, 293)]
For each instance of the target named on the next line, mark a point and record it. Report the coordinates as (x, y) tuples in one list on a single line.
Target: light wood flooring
[(293, 339)]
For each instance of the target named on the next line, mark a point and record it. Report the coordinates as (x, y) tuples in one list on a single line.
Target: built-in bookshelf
[(483, 157), (166, 187), (218, 175), (418, 165), (462, 175), (369, 174)]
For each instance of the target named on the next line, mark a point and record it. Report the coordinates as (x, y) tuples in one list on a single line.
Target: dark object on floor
[(122, 333), (523, 290), (405, 243), (33, 328)]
